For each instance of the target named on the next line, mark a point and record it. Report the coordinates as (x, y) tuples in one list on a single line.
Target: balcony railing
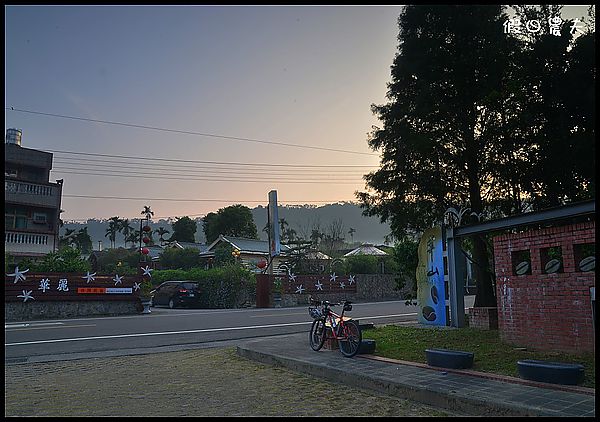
[(31, 193), (16, 242), (28, 188)]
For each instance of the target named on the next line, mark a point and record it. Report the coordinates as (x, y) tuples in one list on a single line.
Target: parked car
[(176, 293)]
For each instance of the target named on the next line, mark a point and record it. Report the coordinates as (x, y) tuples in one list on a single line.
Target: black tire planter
[(551, 372), (454, 359), (367, 346)]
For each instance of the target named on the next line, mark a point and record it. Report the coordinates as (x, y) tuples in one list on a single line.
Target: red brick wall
[(545, 311)]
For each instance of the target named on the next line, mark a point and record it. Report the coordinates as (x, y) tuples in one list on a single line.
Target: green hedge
[(222, 287)]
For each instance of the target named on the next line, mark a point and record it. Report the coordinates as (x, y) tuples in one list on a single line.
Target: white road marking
[(185, 332), (30, 324), (47, 328)]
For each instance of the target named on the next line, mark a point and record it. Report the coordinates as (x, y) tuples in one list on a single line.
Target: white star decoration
[(299, 289), (26, 295), (118, 279), (18, 274), (351, 279), (332, 277), (319, 286), (89, 277), (136, 286), (292, 277), (342, 285), (146, 271)]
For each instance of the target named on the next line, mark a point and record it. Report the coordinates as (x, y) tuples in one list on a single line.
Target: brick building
[(544, 286)]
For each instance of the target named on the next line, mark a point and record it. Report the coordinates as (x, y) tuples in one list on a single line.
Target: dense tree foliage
[(235, 220), (183, 259), (483, 119), (184, 230)]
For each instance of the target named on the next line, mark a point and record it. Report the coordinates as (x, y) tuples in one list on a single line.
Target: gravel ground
[(201, 382)]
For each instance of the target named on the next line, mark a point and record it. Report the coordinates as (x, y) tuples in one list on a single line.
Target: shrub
[(185, 259), (223, 287), (362, 264), (66, 260), (119, 261)]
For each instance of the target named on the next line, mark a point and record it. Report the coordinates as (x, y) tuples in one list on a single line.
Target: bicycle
[(345, 331)]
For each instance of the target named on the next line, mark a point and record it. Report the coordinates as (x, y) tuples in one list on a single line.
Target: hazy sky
[(304, 75)]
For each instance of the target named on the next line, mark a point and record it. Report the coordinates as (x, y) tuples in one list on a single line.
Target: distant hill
[(301, 218)]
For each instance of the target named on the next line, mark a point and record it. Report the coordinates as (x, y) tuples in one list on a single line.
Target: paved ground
[(461, 391), (200, 382)]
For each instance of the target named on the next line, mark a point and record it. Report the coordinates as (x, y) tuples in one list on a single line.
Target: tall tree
[(351, 233), (147, 212), (161, 231), (436, 147), (235, 220), (481, 118), (558, 114), (133, 237), (211, 228), (126, 229), (114, 227), (184, 230), (84, 241)]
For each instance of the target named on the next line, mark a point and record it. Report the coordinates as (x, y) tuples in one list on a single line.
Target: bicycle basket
[(315, 313), (347, 307)]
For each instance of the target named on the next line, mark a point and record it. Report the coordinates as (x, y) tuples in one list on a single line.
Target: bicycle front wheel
[(350, 340), (317, 334)]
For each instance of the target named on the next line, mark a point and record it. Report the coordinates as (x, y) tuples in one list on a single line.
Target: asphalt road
[(174, 327)]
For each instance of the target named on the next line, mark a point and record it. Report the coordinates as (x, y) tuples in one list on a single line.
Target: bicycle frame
[(341, 323)]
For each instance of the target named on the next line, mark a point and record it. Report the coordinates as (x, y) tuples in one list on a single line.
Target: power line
[(202, 169), (187, 173), (185, 132), (203, 162), (197, 200), (246, 180)]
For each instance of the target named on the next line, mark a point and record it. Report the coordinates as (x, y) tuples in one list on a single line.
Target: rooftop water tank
[(13, 136)]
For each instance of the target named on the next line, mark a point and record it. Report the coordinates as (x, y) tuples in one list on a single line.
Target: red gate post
[(263, 290)]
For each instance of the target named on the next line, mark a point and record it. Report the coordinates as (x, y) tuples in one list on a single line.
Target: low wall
[(19, 311), (369, 287), (31, 296)]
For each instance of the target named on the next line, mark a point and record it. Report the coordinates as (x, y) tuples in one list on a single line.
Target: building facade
[(545, 282), (31, 201)]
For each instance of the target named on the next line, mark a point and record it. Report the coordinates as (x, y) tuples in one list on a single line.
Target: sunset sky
[(167, 77)]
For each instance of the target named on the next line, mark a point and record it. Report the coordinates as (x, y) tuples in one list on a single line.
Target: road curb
[(347, 373)]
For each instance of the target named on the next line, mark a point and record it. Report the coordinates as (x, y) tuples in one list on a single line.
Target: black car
[(176, 293)]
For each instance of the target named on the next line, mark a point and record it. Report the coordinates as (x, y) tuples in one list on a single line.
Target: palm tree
[(126, 229), (112, 230), (147, 212), (351, 233), (133, 237), (161, 231)]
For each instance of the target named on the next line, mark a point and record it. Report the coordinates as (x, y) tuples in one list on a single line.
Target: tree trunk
[(485, 296)]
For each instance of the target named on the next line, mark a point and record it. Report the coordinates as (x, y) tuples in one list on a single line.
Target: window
[(40, 217), (551, 259), (585, 257), (521, 262)]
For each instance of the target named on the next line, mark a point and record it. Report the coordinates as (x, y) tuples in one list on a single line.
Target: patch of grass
[(491, 354)]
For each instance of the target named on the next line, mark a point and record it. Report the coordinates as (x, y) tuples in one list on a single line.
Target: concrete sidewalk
[(466, 392)]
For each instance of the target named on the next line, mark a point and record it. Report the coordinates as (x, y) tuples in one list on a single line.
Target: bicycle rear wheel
[(351, 339), (317, 334)]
